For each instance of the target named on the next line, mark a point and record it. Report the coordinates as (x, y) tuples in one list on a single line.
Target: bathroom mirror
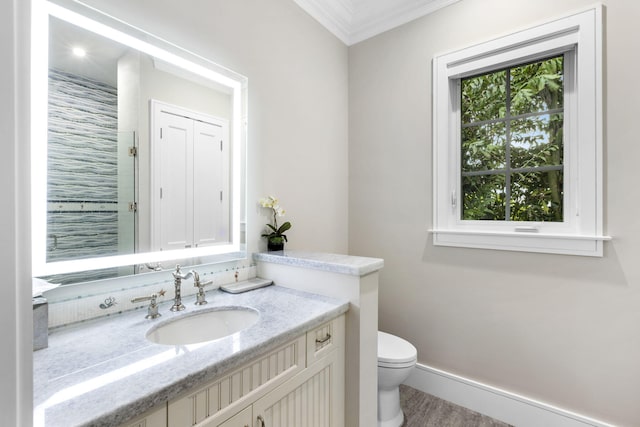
[(138, 150)]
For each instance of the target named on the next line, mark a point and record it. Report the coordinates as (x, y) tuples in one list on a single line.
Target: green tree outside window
[(512, 143)]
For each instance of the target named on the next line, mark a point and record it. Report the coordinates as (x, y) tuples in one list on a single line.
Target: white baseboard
[(502, 405)]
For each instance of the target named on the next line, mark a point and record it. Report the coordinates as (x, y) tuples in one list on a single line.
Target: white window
[(518, 141)]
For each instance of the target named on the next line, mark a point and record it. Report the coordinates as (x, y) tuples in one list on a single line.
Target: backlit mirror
[(138, 150)]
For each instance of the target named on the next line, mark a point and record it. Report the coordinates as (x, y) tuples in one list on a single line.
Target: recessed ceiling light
[(80, 52)]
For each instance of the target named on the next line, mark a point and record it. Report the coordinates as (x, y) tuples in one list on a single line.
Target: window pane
[(483, 197), (537, 87), (537, 141), (534, 141), (483, 147), (537, 196), (484, 97)]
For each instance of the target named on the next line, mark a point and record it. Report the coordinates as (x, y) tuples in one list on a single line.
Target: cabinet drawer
[(223, 397), (324, 339)]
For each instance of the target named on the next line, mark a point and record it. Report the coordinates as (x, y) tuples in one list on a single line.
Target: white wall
[(561, 329), (15, 263), (298, 95)]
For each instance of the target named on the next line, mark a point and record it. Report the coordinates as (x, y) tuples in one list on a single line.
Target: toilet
[(396, 359)]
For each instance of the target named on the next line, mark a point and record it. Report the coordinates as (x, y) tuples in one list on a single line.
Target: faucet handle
[(199, 284), (154, 267), (152, 311), (196, 280), (200, 296)]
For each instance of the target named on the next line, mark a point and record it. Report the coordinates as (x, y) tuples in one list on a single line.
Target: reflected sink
[(202, 326)]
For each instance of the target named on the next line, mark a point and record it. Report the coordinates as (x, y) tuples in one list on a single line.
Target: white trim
[(354, 21), (16, 390), (394, 15), (523, 241), (578, 36), (497, 403), (334, 15), (531, 231)]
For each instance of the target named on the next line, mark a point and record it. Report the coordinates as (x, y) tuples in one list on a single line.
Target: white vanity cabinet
[(300, 384), (207, 384), (156, 417), (309, 399)]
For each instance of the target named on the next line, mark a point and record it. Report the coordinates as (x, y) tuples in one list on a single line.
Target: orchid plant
[(275, 236)]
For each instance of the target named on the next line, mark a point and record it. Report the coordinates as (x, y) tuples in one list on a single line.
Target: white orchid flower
[(267, 202), (274, 234)]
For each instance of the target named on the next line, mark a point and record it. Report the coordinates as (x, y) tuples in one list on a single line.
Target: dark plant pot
[(272, 246)]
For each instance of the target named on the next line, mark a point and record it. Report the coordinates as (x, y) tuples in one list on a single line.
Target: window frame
[(579, 38)]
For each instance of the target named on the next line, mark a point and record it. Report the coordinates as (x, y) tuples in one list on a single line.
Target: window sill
[(563, 244)]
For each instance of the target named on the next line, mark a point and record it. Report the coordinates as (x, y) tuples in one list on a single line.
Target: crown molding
[(353, 21), (394, 14), (334, 15)]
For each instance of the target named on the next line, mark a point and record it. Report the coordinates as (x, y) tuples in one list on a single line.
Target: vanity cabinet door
[(308, 400), (217, 401), (276, 389)]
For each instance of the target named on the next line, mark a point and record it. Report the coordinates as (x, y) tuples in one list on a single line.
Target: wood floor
[(424, 410)]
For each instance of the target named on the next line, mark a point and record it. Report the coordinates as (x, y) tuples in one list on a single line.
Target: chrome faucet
[(154, 267), (178, 277), (200, 296), (152, 310)]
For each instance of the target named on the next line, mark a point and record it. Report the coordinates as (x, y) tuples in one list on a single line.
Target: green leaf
[(284, 227)]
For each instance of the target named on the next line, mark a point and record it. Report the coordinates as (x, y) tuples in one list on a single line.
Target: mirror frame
[(102, 24)]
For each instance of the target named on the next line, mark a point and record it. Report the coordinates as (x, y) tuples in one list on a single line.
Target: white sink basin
[(202, 326)]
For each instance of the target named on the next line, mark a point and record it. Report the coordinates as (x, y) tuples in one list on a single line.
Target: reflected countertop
[(104, 372)]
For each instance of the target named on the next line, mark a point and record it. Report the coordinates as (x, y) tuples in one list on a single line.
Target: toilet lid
[(392, 349)]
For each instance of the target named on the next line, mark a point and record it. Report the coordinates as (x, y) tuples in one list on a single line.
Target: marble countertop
[(104, 372), (335, 263)]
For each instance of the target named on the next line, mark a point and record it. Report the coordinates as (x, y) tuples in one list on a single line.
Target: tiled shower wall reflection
[(82, 218)]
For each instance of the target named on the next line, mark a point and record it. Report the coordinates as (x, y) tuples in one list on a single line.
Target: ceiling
[(101, 58), (353, 21)]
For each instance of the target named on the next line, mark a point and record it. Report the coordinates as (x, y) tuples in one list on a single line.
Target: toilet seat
[(394, 352)]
